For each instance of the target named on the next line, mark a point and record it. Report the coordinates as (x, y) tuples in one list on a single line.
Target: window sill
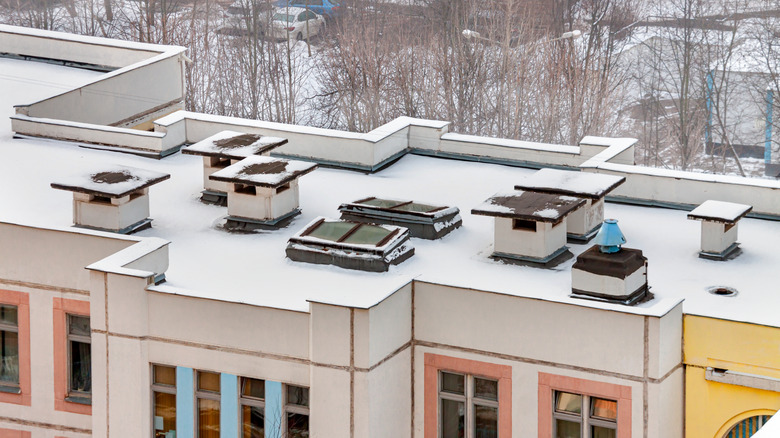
[(82, 400), (10, 389)]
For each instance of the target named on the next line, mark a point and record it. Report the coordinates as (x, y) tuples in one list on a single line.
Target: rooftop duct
[(608, 272)]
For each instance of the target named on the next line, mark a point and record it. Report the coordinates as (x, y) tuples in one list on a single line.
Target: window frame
[(550, 383), (22, 302), (585, 417), (244, 400), (72, 395), (61, 308), (291, 408), (206, 395), (157, 387), (434, 363), (13, 387), (468, 399)]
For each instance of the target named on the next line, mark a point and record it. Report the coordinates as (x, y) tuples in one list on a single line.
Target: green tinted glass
[(382, 203), (422, 208), (367, 235), (332, 231)]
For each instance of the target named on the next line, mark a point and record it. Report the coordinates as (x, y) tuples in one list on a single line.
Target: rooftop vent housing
[(423, 220), (608, 272), (582, 224), (262, 191), (223, 149), (719, 228), (530, 227), (112, 199), (351, 245)]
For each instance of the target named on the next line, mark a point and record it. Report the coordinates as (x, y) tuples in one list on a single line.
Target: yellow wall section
[(711, 408)]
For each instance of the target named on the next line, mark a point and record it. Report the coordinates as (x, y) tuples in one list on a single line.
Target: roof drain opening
[(722, 291)]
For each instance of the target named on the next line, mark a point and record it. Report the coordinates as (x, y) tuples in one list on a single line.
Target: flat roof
[(234, 145), (252, 268), (533, 206), (570, 182), (262, 171), (110, 180)]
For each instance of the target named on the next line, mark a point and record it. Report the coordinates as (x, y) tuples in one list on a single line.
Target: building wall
[(712, 407)]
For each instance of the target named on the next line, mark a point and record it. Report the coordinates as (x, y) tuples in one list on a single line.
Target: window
[(9, 349), (296, 412), (468, 406), (207, 398), (747, 427), (252, 400), (578, 408), (79, 360), (164, 401), (582, 416)]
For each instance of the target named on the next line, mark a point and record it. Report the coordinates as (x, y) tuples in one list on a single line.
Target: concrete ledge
[(742, 379)]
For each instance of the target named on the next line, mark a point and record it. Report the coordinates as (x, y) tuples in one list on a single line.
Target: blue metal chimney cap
[(609, 237)]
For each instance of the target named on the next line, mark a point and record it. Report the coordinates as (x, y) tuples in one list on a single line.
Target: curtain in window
[(9, 357), (81, 367)]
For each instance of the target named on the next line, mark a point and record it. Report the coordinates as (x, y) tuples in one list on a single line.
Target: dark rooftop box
[(423, 220)]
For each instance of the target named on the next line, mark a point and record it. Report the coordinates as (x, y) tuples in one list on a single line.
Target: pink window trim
[(551, 382), (22, 301), (10, 433), (63, 307), (503, 373)]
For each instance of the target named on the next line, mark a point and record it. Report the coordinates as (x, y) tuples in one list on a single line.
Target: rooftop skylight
[(423, 220), (351, 245)]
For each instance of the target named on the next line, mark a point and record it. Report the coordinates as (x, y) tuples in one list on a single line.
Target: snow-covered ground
[(252, 268)]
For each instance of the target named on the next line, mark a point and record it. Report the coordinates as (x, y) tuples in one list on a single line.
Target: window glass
[(297, 395), (297, 425), (569, 402), (253, 421), (208, 418), (416, 207), (485, 422), (208, 381), (9, 345), (567, 429), (164, 375), (603, 432), (452, 418), (606, 409), (452, 383), (79, 325), (368, 235), (313, 2), (486, 389), (164, 415), (254, 388), (8, 315), (382, 203), (284, 17), (80, 367), (332, 231)]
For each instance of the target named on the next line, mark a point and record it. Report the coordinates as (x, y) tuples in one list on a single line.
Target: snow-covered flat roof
[(539, 207), (584, 184), (206, 261)]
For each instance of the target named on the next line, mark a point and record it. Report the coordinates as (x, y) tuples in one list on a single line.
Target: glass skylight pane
[(367, 235), (422, 208), (332, 231), (382, 203)]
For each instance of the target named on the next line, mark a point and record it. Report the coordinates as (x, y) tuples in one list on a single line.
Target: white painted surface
[(604, 284), (715, 238), (541, 243)]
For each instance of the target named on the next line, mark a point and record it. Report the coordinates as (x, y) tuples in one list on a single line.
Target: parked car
[(298, 23), (327, 8)]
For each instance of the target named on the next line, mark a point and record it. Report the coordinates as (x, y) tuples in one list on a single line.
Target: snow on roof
[(235, 145), (585, 184), (113, 181), (720, 211), (258, 273), (258, 170), (540, 207)]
